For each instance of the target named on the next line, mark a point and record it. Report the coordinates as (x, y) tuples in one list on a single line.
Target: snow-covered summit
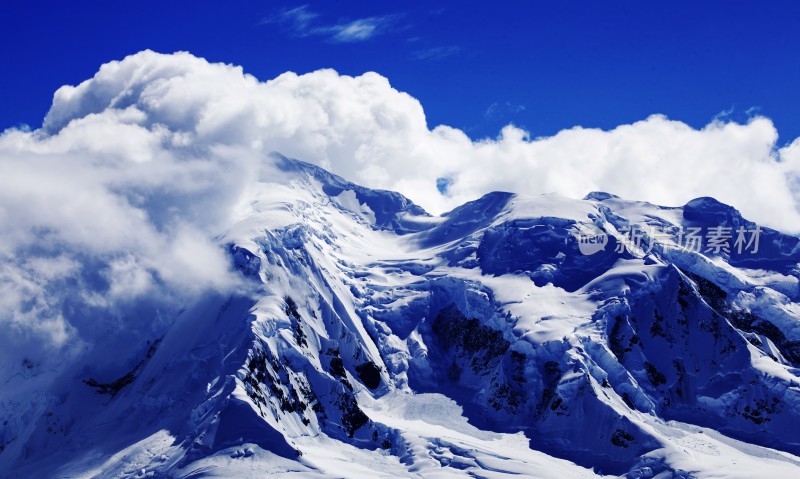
[(535, 336)]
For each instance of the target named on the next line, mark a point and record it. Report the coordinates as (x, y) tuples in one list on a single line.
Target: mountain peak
[(368, 335), (600, 196)]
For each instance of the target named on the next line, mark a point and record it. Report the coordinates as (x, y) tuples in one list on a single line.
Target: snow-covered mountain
[(524, 336)]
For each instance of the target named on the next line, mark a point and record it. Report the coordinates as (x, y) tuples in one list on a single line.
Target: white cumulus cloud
[(110, 207)]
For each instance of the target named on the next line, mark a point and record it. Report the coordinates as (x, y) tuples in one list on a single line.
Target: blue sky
[(544, 66)]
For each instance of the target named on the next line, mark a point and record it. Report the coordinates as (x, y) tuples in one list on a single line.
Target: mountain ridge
[(371, 336)]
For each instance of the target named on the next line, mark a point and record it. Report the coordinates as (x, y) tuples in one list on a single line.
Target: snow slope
[(371, 339)]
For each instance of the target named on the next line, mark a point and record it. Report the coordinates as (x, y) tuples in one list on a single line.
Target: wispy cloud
[(736, 114), (436, 53), (502, 110), (303, 22), (298, 19), (357, 30)]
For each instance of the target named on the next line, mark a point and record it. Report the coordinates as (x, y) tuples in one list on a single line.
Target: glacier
[(372, 339)]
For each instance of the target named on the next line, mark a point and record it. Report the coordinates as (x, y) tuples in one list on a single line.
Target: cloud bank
[(108, 210)]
